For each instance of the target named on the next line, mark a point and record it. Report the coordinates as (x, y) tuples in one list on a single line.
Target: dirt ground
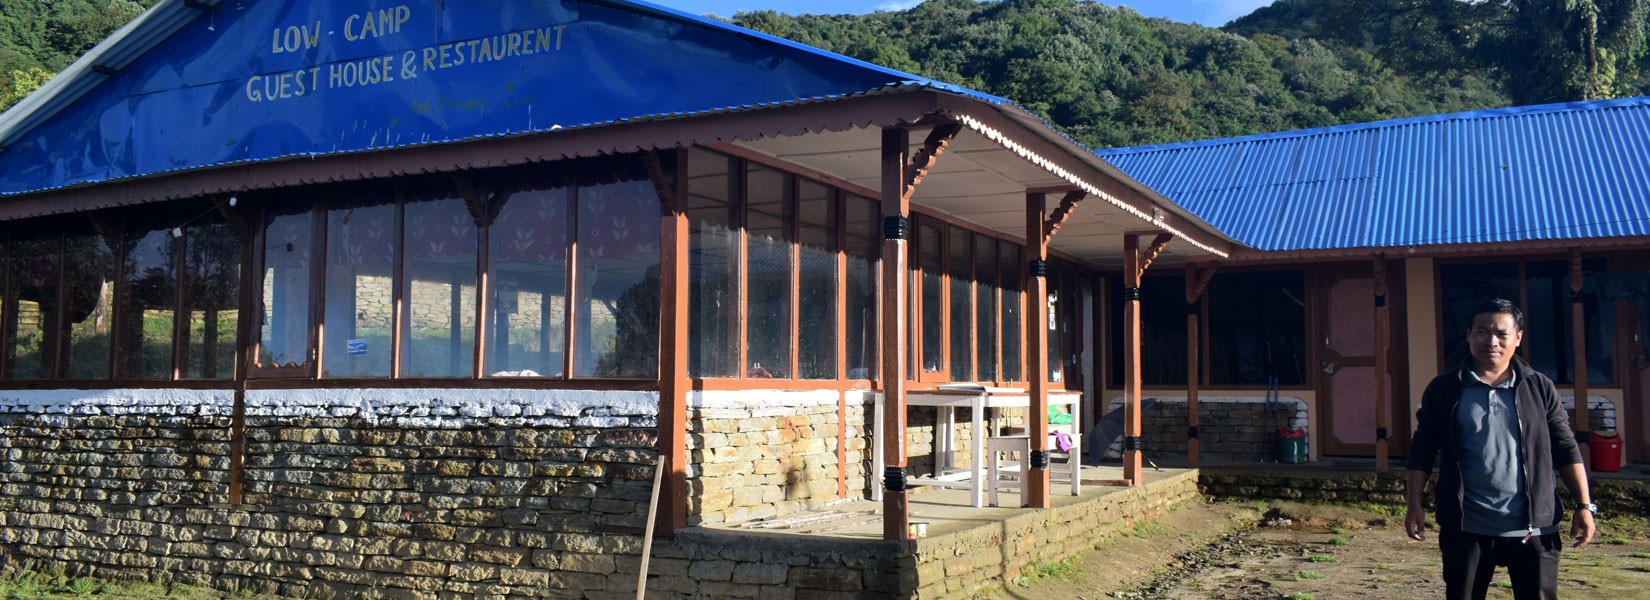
[(1228, 551)]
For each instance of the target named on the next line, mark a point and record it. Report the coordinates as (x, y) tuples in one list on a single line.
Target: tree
[(1556, 50)]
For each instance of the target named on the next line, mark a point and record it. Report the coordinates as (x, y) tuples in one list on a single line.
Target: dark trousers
[(1470, 561)]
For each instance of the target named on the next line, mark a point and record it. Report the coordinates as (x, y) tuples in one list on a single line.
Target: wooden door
[(1346, 362)]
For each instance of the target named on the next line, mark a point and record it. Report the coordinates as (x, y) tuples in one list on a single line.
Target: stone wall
[(1601, 412), (765, 453), (349, 493), (1241, 429)]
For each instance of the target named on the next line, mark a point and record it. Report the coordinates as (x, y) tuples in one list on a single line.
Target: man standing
[(1500, 432)]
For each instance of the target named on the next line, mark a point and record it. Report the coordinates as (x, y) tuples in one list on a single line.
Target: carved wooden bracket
[(938, 140), (1576, 275), (1379, 268), (236, 221), (1067, 205), (1151, 252), (108, 231), (1196, 293), (661, 183), (475, 200)]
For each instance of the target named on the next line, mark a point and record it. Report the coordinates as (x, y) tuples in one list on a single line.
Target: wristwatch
[(1588, 506)]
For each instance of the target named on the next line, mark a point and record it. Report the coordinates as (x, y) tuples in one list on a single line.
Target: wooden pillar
[(673, 336), (896, 231), (1578, 344), (1383, 418), (1037, 318), (1192, 293), (1131, 359)]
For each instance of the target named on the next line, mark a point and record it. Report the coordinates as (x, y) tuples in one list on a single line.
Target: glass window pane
[(1162, 330), (212, 296), (35, 275), (768, 322), (1257, 328), (816, 318), (960, 266), (89, 289), (931, 260), (359, 293), (1548, 323), (985, 307), (149, 304), (713, 265), (617, 294), (528, 275), (864, 237), (1013, 286), (438, 331), (284, 298)]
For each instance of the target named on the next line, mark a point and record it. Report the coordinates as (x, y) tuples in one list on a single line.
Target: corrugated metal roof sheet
[(1549, 172)]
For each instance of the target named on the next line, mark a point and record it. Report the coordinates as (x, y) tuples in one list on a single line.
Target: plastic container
[(1291, 445), (1605, 450)]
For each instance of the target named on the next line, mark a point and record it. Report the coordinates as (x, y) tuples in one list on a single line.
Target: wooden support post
[(1191, 364), (1037, 319), (1131, 360), (1383, 417), (896, 231), (673, 347), (1578, 345)]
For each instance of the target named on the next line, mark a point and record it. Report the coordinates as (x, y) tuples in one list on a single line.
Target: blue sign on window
[(355, 347)]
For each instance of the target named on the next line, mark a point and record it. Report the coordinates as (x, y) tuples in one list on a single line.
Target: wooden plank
[(896, 514), (1383, 417), (673, 346), (1131, 357), (1192, 293), (1037, 318), (1578, 344)]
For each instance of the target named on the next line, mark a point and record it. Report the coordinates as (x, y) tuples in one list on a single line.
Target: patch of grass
[(1640, 555), (1308, 575), (1338, 531), (1382, 566), (1302, 596), (1504, 584), (1618, 541), (1321, 558), (1059, 569), (1338, 541)]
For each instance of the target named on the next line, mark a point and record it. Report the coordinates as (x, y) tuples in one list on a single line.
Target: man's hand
[(1582, 529), (1415, 523)]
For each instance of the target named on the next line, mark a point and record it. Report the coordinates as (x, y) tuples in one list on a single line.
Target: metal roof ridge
[(1505, 111)]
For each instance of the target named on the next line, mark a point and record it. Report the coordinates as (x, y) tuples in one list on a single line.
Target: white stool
[(995, 447)]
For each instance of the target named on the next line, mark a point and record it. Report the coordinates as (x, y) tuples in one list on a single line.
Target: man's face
[(1494, 337)]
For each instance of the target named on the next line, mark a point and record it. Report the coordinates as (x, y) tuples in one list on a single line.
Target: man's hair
[(1496, 306)]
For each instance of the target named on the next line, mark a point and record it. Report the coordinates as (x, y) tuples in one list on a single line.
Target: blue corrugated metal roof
[(1549, 172), (201, 87)]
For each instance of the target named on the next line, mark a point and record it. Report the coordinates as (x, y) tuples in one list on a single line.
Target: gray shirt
[(1487, 428)]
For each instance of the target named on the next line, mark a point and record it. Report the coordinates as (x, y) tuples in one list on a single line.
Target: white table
[(978, 400)]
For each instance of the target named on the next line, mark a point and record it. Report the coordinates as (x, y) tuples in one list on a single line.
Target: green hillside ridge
[(1111, 77)]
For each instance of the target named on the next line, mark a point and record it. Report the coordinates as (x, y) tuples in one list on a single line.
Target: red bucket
[(1606, 452)]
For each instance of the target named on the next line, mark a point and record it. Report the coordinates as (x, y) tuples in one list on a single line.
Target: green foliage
[(1302, 596), (1338, 541), (40, 37), (1111, 77), (1321, 558), (1308, 575)]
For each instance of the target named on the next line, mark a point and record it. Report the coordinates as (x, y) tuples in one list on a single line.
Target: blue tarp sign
[(265, 79)]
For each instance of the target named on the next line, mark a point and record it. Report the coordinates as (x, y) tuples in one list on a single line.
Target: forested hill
[(1110, 77)]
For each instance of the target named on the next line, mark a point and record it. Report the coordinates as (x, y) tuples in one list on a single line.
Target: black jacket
[(1544, 432)]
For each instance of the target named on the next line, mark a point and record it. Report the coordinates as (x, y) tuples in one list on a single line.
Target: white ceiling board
[(975, 181)]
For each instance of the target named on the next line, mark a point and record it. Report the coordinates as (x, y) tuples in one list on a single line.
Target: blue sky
[(1212, 13)]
